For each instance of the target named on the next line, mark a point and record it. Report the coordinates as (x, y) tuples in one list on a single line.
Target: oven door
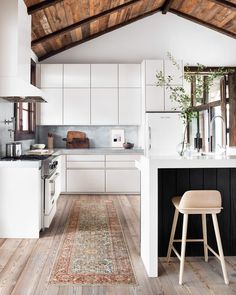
[(52, 191)]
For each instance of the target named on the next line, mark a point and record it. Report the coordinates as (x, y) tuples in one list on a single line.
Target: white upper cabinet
[(51, 112), (104, 106), (129, 75), (175, 71), (76, 75), (170, 105), (129, 106), (154, 98), (76, 106), (51, 76), (152, 67), (104, 75)]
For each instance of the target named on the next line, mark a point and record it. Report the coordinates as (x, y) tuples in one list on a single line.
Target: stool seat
[(197, 202), (197, 210)]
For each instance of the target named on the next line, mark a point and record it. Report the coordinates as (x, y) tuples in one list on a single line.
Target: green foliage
[(179, 94)]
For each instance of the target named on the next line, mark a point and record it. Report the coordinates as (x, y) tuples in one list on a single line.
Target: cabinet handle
[(149, 137)]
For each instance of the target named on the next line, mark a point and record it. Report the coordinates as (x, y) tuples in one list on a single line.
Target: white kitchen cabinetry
[(129, 106), (121, 175), (170, 105), (76, 106), (154, 99), (51, 75), (152, 67), (129, 75), (123, 180), (102, 174), (104, 75), (175, 71), (85, 180), (77, 75), (104, 106), (51, 112)]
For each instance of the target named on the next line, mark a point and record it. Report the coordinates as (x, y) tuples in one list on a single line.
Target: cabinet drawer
[(85, 180), (123, 181), (121, 158), (85, 158), (118, 164), (83, 164)]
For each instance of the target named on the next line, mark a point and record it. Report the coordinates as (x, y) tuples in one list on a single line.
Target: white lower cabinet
[(123, 181), (85, 180), (102, 174)]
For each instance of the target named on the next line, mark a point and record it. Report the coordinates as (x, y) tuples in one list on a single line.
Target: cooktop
[(26, 158)]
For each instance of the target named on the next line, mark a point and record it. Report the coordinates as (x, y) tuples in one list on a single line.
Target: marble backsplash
[(99, 136)]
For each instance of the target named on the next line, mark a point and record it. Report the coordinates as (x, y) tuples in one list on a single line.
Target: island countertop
[(197, 172)]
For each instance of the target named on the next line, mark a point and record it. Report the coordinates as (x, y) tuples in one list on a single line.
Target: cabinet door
[(85, 180), (51, 112), (175, 71), (104, 75), (76, 75), (170, 105), (154, 99), (104, 106), (152, 68), (129, 106), (129, 75), (123, 181), (77, 106), (51, 75)]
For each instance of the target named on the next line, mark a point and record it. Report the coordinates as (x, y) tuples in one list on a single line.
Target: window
[(212, 108), (25, 114)]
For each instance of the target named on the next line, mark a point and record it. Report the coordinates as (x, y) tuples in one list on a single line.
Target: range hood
[(14, 89), (15, 54)]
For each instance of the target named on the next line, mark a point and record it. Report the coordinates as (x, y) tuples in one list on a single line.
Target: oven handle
[(55, 177)]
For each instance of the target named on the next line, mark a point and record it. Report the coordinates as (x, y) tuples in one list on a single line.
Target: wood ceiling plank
[(49, 54), (227, 4), (41, 5), (86, 21), (199, 21)]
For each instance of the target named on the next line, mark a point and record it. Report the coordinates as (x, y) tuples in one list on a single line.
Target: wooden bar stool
[(197, 202)]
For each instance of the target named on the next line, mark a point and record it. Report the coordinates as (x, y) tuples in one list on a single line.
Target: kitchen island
[(165, 177)]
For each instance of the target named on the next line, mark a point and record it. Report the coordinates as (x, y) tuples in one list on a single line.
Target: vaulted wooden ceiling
[(58, 25)]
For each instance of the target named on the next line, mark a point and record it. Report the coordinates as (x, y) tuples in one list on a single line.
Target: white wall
[(152, 37)]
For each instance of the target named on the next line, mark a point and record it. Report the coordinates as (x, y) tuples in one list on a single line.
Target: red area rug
[(93, 248)]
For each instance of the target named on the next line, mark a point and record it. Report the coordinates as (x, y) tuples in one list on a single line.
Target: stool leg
[(204, 231), (220, 249), (172, 235), (183, 246)]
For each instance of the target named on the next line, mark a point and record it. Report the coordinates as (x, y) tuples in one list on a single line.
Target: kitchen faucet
[(223, 139)]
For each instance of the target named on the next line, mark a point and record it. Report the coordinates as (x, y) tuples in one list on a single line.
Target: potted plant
[(184, 99)]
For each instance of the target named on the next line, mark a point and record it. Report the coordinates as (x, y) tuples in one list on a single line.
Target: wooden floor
[(26, 264)]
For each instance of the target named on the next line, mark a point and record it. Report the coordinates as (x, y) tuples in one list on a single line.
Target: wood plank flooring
[(25, 265)]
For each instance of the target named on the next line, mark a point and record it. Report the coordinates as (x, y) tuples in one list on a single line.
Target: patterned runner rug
[(93, 248)]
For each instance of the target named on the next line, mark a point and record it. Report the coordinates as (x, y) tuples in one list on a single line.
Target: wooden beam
[(203, 23), (49, 54), (83, 22), (41, 5), (166, 6), (225, 3)]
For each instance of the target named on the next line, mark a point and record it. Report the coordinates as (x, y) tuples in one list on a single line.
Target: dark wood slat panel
[(233, 211), (223, 185), (174, 182), (42, 5), (110, 29), (82, 23)]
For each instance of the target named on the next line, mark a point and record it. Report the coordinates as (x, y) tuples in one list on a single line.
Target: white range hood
[(15, 54)]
